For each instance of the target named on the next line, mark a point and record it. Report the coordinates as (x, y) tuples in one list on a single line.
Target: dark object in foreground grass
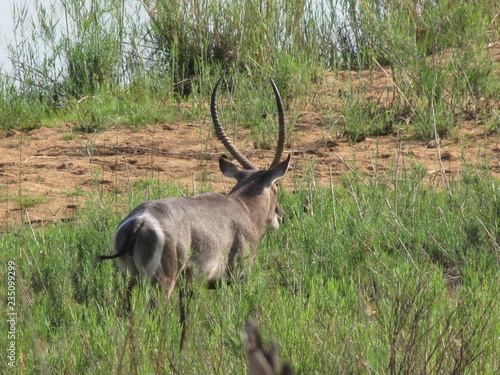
[(207, 236), (260, 360)]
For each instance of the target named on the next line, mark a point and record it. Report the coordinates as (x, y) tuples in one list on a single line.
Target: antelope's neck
[(257, 209)]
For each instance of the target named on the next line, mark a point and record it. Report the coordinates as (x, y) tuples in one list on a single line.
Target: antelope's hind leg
[(167, 276), (130, 272), (167, 272), (185, 296)]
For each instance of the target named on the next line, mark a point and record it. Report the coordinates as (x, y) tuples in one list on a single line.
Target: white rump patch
[(150, 268)]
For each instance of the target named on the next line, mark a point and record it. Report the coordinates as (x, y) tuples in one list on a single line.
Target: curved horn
[(221, 134), (281, 137)]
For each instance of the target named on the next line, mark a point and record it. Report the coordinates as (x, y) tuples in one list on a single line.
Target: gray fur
[(208, 236)]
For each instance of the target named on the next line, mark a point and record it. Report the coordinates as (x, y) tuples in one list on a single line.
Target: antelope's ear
[(277, 171), (228, 168)]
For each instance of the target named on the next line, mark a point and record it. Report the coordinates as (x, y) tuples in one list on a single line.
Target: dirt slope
[(48, 171)]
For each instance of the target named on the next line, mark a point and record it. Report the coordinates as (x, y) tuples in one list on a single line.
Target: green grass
[(360, 278), (23, 200), (26, 201), (123, 69)]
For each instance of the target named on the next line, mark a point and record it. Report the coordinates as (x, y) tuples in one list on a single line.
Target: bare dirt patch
[(47, 174)]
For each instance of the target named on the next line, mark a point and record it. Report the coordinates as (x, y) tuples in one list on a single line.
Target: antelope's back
[(202, 231)]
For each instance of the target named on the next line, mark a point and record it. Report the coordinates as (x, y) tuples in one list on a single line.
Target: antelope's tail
[(124, 249)]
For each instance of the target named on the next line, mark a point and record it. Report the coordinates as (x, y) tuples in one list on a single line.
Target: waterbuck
[(207, 236)]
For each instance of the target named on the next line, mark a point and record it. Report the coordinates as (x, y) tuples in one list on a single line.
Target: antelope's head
[(253, 182)]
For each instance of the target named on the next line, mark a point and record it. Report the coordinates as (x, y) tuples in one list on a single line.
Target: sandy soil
[(49, 170)]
